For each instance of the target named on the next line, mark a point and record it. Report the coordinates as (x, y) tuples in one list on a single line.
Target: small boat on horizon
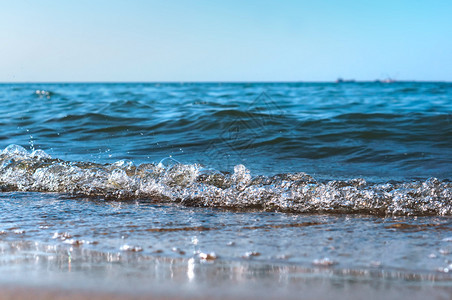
[(341, 80), (386, 80)]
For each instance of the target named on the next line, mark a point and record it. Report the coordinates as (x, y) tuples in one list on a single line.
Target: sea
[(228, 190)]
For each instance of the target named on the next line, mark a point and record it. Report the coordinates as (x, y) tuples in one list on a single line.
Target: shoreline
[(10, 292), (42, 293)]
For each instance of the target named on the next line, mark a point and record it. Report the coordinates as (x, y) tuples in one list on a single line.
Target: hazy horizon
[(348, 80)]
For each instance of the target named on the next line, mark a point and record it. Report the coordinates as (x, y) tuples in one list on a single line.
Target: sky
[(146, 40)]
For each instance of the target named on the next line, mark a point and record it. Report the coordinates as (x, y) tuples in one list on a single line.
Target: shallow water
[(333, 189), (352, 242), (65, 241)]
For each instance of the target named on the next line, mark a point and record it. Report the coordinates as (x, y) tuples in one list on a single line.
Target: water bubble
[(119, 178), (131, 248), (124, 163), (15, 151), (241, 174), (74, 242), (324, 262), (40, 154), (444, 251), (207, 256), (251, 254), (43, 93), (63, 236)]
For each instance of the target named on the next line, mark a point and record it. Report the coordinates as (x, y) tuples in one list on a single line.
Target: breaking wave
[(196, 185)]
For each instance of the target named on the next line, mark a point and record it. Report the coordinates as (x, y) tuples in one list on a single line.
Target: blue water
[(380, 131), (291, 183)]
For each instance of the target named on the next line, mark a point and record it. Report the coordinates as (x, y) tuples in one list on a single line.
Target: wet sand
[(314, 292), (19, 293), (9, 293)]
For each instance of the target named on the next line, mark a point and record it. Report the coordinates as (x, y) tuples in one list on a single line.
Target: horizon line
[(345, 81)]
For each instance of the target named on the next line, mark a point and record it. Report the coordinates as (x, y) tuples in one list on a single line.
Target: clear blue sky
[(145, 40)]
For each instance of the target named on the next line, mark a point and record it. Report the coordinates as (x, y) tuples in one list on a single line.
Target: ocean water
[(191, 188)]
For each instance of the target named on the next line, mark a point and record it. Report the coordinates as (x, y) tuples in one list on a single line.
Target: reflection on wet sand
[(134, 274), (50, 241)]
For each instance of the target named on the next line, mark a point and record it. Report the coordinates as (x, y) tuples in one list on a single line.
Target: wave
[(196, 185)]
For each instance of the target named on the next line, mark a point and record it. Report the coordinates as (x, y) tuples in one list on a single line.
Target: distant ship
[(340, 80), (387, 80)]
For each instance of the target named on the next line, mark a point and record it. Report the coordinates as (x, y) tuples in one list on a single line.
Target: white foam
[(193, 184)]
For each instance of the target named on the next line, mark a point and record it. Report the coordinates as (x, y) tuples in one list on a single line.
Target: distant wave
[(195, 185)]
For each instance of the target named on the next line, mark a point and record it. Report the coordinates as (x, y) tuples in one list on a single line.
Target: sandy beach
[(40, 293)]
